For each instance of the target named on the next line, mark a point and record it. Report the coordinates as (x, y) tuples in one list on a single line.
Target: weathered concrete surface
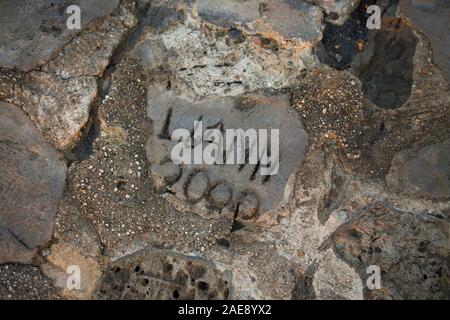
[(421, 100), (59, 98), (33, 30), (76, 243), (58, 107), (342, 42), (387, 69), (337, 11), (111, 188), (31, 184), (410, 249), (335, 279), (291, 19), (61, 257), (244, 186), (431, 18), (89, 54), (232, 12), (207, 60), (159, 274), (24, 282), (227, 57), (330, 104)]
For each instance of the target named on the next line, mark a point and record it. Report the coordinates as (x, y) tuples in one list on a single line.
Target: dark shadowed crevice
[(304, 289), (387, 77), (382, 59), (339, 44), (83, 149)]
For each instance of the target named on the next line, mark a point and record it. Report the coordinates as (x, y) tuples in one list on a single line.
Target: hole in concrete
[(164, 285), (236, 226), (167, 268), (339, 43), (83, 148), (355, 234), (382, 59), (387, 78), (121, 185), (202, 285), (224, 243)]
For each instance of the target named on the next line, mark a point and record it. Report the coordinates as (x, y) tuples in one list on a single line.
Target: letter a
[(374, 21), (374, 281), (74, 280), (74, 21), (181, 152)]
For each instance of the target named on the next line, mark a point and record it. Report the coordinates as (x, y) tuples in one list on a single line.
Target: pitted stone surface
[(58, 98), (411, 251), (58, 107), (160, 274), (207, 60), (236, 187), (33, 29), (310, 231), (31, 184), (25, 282)]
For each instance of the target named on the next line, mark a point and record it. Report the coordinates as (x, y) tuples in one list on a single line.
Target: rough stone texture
[(21, 282), (59, 108), (252, 192), (10, 83), (341, 43), (209, 61), (232, 12), (331, 107), (374, 105), (59, 98), (336, 280), (164, 275), (290, 19), (431, 18), (89, 53), (31, 183), (382, 59), (423, 119), (421, 109), (386, 66), (337, 11), (389, 240), (111, 188), (76, 243), (32, 30), (424, 172), (410, 249), (61, 257)]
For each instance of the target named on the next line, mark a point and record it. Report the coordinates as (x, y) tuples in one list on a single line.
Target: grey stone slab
[(33, 29), (32, 180)]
